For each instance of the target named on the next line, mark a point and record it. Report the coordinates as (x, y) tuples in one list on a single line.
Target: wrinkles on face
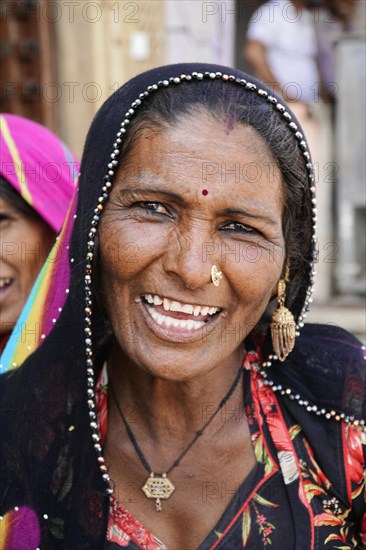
[(159, 236)]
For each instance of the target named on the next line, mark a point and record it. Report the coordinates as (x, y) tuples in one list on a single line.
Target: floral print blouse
[(288, 501)]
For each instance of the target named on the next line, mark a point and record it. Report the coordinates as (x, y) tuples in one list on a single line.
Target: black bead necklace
[(159, 486)]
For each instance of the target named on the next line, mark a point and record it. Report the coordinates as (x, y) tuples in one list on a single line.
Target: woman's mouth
[(5, 285), (178, 317)]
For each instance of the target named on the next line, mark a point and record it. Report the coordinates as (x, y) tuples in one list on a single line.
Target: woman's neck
[(166, 409)]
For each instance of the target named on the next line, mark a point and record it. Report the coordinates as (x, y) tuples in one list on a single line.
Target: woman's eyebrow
[(254, 215), (149, 191)]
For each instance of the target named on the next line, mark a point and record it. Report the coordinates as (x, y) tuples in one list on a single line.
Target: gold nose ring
[(216, 275)]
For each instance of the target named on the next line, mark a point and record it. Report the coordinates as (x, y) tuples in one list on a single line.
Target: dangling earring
[(283, 326)]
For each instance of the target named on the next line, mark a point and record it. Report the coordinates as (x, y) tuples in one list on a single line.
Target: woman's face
[(25, 243), (187, 197)]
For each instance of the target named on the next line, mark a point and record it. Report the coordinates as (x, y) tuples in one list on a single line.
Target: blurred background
[(60, 60)]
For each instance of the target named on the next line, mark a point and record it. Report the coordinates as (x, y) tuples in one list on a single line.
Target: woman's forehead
[(202, 133), (200, 157)]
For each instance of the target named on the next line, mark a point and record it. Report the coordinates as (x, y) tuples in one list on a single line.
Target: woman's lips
[(5, 286), (177, 321)]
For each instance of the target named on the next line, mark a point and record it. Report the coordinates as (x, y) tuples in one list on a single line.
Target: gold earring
[(283, 326), (216, 275)]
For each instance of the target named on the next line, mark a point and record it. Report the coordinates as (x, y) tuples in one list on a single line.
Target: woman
[(161, 417), (37, 179)]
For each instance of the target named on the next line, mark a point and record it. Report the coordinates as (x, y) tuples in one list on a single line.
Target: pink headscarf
[(39, 166)]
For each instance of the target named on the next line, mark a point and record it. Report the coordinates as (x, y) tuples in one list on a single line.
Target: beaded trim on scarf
[(174, 81)]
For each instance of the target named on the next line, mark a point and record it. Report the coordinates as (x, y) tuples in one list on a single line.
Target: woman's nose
[(190, 257)]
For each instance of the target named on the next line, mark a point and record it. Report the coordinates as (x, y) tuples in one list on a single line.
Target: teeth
[(172, 305), (196, 310), (5, 282), (190, 324), (176, 323)]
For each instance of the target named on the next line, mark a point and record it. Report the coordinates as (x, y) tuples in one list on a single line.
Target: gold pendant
[(158, 487)]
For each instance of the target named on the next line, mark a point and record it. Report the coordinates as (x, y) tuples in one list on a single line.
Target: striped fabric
[(39, 166), (45, 302), (20, 530), (42, 169)]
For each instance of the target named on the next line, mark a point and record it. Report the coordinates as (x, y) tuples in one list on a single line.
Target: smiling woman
[(166, 409), (163, 211), (37, 180), (25, 243)]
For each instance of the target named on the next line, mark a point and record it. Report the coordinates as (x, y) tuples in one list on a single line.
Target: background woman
[(38, 176), (167, 413)]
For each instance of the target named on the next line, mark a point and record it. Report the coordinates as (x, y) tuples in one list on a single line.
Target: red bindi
[(205, 192)]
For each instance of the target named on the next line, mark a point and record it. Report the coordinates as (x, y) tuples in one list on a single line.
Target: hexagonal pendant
[(158, 487)]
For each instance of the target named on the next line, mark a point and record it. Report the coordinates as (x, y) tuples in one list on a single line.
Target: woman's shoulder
[(329, 332), (327, 368)]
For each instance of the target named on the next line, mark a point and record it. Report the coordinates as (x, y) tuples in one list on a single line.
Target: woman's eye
[(239, 227), (155, 207), (4, 217)]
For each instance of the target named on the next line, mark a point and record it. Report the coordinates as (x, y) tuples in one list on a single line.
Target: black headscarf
[(50, 455)]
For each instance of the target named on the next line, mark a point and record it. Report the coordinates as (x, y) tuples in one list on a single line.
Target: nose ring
[(216, 275)]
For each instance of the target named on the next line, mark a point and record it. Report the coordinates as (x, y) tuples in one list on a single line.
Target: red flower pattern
[(123, 527), (355, 455)]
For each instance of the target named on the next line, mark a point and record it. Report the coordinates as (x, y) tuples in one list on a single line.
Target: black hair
[(228, 101), (11, 195)]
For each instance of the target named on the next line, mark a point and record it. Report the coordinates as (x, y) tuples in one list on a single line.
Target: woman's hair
[(231, 103), (11, 195)]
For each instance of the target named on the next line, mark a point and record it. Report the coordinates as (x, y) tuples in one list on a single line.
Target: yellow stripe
[(4, 532), (20, 350), (34, 320), (24, 191)]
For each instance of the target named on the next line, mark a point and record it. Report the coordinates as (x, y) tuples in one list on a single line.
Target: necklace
[(159, 486)]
